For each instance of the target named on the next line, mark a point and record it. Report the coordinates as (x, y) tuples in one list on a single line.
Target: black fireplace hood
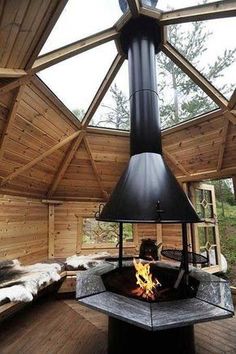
[(147, 190)]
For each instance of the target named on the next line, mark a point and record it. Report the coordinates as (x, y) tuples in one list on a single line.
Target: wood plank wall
[(23, 229), (68, 230), (25, 232)]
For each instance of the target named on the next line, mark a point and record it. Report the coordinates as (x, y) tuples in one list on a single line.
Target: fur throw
[(21, 283), (85, 262)]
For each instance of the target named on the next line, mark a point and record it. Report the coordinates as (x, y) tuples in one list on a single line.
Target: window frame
[(102, 246)]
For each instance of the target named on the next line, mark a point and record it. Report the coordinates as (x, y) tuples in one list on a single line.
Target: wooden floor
[(64, 327)]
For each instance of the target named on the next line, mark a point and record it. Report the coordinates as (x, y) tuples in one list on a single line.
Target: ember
[(147, 285)]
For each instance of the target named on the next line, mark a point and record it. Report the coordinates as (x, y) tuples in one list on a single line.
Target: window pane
[(167, 5), (80, 19), (202, 236), (196, 41), (209, 212), (207, 196), (113, 112), (180, 99), (211, 235), (75, 81), (98, 232), (200, 211)]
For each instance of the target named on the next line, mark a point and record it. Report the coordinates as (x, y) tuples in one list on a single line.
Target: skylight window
[(180, 98), (167, 5), (80, 19), (76, 80), (209, 47)]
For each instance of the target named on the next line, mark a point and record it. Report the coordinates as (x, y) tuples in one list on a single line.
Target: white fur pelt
[(29, 281), (88, 261)]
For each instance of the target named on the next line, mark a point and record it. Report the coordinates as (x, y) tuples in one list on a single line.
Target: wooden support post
[(234, 185), (51, 231), (79, 234)]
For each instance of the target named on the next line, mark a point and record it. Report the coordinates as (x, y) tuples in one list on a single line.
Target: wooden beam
[(123, 20), (230, 116), (11, 73), (51, 98), (195, 75), (46, 30), (70, 50), (113, 70), (95, 170), (232, 101), (88, 116), (211, 174), (151, 12), (193, 122), (108, 131), (222, 146), (51, 201), (183, 125), (16, 83), (175, 162), (10, 119), (219, 9), (39, 158), (65, 163), (134, 6), (51, 231)]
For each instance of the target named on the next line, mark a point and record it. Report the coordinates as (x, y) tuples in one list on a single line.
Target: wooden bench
[(8, 309)]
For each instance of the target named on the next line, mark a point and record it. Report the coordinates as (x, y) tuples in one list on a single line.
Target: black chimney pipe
[(145, 132), (147, 190)]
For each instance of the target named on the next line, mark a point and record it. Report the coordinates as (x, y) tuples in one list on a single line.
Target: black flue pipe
[(120, 245), (185, 252), (145, 132)]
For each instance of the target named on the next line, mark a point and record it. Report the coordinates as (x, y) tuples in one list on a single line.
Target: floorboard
[(51, 326)]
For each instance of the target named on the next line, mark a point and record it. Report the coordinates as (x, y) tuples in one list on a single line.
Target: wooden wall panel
[(68, 230), (23, 229), (171, 236), (22, 23)]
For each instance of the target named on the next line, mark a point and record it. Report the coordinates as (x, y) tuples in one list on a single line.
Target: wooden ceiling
[(45, 152)]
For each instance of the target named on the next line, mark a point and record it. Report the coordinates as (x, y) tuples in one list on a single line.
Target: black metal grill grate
[(177, 255)]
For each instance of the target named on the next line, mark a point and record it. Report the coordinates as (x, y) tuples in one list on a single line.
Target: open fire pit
[(163, 324)]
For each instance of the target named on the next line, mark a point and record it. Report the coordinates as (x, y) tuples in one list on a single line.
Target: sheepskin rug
[(22, 283), (85, 262)]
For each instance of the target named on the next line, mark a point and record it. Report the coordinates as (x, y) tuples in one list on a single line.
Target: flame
[(147, 285)]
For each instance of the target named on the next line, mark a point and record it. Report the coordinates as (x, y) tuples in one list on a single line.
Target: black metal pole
[(120, 244), (185, 251)]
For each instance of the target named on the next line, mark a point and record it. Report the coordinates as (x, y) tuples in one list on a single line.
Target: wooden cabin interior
[(56, 169)]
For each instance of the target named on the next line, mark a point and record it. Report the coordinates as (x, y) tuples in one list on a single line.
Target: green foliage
[(180, 97), (224, 191), (227, 230)]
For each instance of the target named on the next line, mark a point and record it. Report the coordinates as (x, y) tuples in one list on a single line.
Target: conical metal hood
[(147, 191)]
